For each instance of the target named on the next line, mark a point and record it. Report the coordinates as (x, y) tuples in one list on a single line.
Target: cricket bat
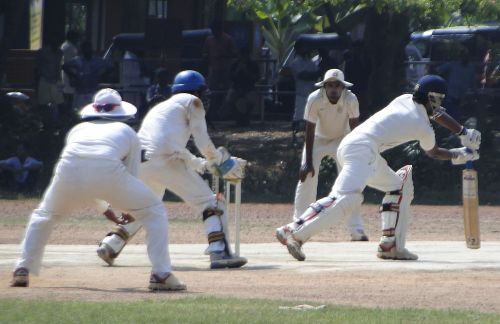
[(471, 205)]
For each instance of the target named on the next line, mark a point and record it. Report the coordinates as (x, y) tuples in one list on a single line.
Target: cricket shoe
[(359, 236), (106, 253), (390, 253), (295, 248), (221, 260), (283, 233), (20, 278), (169, 283)]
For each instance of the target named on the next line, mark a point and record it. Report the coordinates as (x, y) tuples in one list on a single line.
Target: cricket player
[(99, 163), (406, 118), (330, 113), (167, 163)]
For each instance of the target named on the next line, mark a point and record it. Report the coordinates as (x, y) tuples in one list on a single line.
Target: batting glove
[(470, 138), (463, 154)]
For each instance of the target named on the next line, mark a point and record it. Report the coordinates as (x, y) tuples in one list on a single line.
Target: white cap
[(117, 109), (334, 75)]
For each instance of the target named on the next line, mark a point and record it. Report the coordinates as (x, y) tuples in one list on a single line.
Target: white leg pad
[(220, 225), (324, 213), (132, 227), (395, 211), (116, 242)]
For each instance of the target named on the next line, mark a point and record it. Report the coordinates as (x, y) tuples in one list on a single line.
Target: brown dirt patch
[(473, 290)]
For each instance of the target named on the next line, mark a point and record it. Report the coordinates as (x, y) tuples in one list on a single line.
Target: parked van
[(130, 51), (429, 49)]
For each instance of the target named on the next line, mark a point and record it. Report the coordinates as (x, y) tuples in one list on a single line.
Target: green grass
[(218, 310)]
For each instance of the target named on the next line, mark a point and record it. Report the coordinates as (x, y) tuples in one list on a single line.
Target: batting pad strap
[(120, 232), (209, 212), (216, 236), (394, 207), (389, 232)]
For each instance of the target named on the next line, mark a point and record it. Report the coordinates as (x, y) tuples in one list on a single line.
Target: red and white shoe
[(283, 233)]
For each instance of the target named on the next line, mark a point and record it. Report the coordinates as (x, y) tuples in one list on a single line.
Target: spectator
[(20, 172), (85, 72), (160, 90), (305, 72), (219, 49), (69, 51), (48, 76), (461, 77), (242, 95)]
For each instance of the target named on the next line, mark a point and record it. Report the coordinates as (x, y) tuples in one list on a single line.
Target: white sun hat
[(334, 75), (108, 104)]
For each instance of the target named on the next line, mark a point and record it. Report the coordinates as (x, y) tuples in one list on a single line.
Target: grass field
[(216, 310)]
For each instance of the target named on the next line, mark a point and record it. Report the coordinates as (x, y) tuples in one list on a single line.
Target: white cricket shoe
[(169, 283), (359, 236), (391, 253), (283, 233), (295, 248)]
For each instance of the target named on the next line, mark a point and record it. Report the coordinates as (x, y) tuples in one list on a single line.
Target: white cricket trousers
[(78, 182), (361, 166), (174, 175), (306, 192)]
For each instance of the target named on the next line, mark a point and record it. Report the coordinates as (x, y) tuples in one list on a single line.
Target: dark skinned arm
[(449, 122), (439, 153), (308, 167), (353, 123)]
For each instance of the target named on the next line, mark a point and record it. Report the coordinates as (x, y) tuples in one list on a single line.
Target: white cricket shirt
[(167, 127), (403, 120), (332, 120)]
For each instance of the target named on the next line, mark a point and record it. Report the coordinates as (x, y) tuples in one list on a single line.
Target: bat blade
[(471, 207)]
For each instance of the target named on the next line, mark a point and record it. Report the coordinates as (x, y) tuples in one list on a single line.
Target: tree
[(281, 21)]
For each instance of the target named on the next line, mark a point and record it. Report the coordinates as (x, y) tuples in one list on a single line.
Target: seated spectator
[(160, 90), (20, 172), (242, 96)]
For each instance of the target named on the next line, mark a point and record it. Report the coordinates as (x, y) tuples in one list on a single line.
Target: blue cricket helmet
[(431, 83), (187, 81)]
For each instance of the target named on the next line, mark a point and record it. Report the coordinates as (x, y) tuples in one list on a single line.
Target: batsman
[(407, 118), (168, 164)]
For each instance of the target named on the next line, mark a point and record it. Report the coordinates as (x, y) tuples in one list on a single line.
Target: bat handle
[(468, 164)]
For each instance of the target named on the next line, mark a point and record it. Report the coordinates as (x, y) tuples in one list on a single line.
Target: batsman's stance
[(100, 161), (330, 113), (167, 163), (406, 118)]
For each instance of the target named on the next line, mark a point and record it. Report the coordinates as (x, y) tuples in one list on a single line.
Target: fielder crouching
[(407, 118), (99, 163), (167, 164)]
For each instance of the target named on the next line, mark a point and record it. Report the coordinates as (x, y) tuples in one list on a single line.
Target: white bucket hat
[(108, 104), (334, 75)]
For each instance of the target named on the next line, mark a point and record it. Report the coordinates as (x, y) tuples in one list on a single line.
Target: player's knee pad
[(395, 210), (324, 213)]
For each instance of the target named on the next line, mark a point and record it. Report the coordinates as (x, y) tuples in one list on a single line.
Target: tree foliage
[(281, 20)]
